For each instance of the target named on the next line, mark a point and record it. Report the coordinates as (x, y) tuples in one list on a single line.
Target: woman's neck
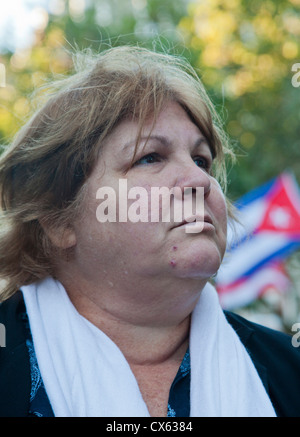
[(147, 318), (141, 344)]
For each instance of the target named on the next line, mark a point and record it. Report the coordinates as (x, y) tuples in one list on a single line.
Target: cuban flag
[(267, 232)]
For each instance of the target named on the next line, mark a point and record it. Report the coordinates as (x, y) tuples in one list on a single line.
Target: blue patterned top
[(179, 396), (39, 403)]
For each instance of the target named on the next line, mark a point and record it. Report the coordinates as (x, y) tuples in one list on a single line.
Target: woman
[(116, 317)]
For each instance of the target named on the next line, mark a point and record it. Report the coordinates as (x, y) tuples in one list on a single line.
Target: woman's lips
[(196, 224)]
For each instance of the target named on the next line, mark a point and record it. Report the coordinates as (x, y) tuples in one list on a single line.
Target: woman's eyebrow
[(202, 141), (165, 141)]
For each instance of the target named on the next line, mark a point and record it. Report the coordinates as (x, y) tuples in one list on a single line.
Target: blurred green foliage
[(243, 51)]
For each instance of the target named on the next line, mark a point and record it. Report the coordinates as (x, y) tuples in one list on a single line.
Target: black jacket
[(275, 358)]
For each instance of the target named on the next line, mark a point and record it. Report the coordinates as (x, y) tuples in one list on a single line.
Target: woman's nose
[(189, 175)]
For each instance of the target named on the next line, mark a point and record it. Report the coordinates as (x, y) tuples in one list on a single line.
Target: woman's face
[(175, 155)]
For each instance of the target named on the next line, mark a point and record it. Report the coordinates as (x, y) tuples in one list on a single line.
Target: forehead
[(173, 123)]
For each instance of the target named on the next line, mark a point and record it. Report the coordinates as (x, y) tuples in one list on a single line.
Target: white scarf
[(86, 375)]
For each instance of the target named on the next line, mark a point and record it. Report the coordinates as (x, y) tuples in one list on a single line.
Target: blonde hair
[(42, 173)]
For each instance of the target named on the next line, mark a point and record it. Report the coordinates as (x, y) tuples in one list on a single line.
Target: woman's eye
[(151, 158), (202, 162)]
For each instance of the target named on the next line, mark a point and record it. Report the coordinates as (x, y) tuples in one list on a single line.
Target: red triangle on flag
[(281, 215)]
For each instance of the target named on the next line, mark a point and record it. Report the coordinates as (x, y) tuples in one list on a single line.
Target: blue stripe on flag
[(276, 255), (255, 194)]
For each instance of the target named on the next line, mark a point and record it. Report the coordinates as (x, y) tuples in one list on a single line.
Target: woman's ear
[(62, 237)]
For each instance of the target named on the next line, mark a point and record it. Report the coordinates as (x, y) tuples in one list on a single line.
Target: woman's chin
[(201, 265)]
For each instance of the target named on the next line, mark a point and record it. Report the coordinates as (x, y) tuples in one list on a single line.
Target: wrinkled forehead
[(134, 131)]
